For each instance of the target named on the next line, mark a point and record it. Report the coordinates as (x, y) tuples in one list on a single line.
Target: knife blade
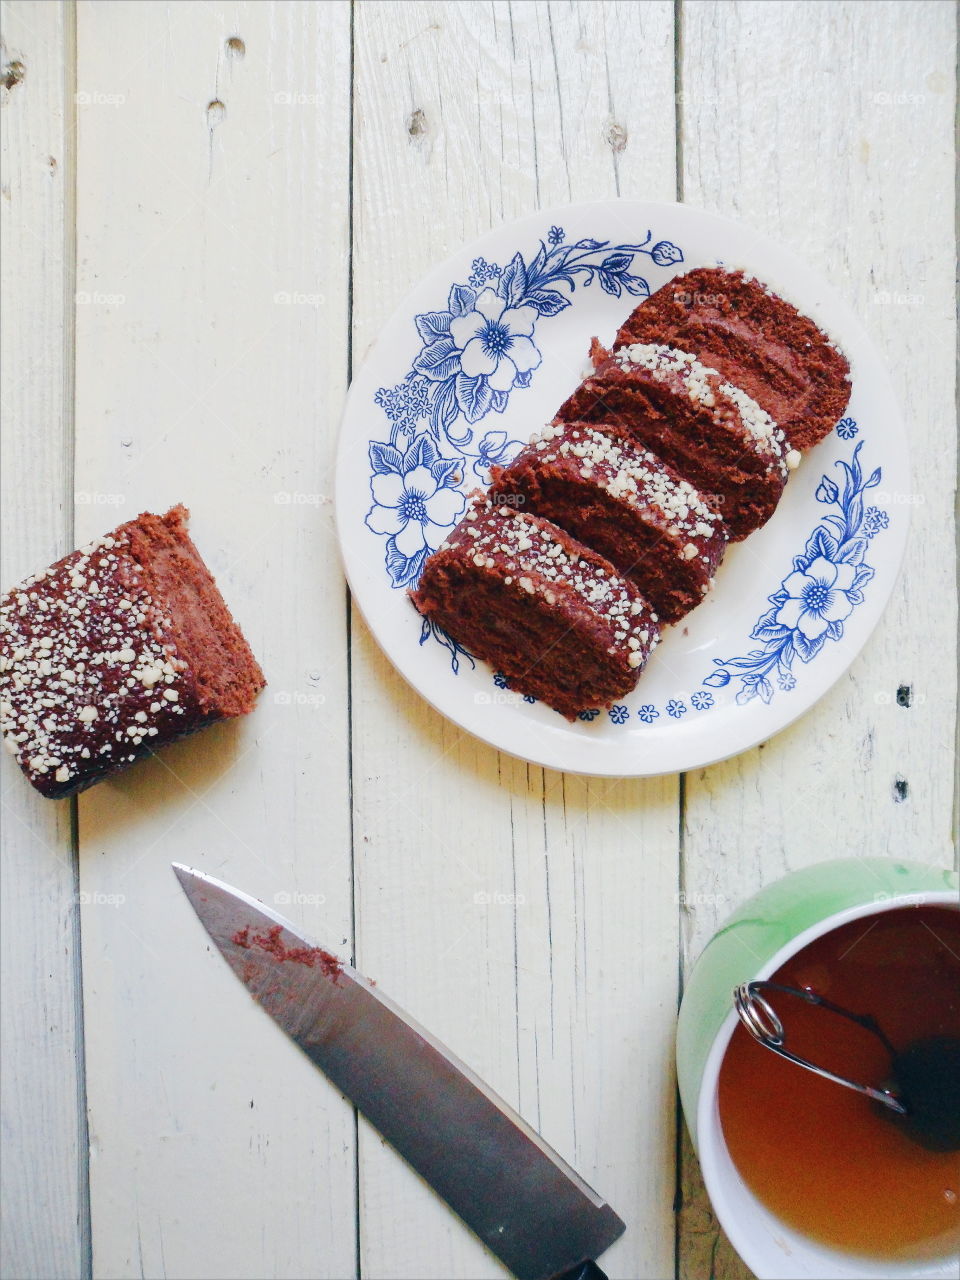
[(524, 1202)]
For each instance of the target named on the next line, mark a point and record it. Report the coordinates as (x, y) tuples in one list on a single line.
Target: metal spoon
[(924, 1095)]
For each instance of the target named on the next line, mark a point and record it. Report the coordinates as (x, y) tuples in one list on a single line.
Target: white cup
[(772, 1249)]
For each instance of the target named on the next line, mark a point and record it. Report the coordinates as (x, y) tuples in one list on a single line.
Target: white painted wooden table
[(169, 170)]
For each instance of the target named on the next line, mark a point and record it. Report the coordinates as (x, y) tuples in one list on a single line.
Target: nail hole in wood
[(215, 112), (12, 74), (904, 696), (417, 124), (236, 48), (900, 790)]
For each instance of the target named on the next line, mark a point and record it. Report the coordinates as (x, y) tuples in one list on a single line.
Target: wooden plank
[(829, 127), (43, 1172), (527, 917), (211, 359)]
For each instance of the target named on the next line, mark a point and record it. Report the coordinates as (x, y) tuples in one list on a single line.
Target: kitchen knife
[(525, 1203)]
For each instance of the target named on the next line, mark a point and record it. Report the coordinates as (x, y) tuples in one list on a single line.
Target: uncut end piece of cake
[(115, 650), (555, 618), (756, 340)]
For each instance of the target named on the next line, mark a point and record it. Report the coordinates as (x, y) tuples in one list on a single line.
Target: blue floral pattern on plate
[(813, 602), (480, 349), (473, 354)]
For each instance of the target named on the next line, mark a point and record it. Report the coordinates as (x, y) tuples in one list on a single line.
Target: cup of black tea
[(826, 1118)]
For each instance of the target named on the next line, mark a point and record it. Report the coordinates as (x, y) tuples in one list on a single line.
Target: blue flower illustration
[(405, 403), (493, 450), (676, 708), (493, 341), (474, 351), (430, 629), (700, 701), (847, 428), (528, 697), (816, 597), (414, 503), (499, 679), (665, 254), (618, 714), (648, 713), (813, 602), (588, 715), (874, 521), (482, 271)]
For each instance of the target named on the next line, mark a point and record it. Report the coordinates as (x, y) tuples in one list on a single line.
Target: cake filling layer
[(554, 617), (676, 408), (757, 340), (651, 524)]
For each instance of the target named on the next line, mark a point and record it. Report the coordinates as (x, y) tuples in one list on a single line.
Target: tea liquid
[(825, 1159)]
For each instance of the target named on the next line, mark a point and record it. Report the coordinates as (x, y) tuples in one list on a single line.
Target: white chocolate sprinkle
[(707, 388), (82, 642), (554, 573)]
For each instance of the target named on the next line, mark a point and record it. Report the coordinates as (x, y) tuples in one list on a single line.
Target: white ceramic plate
[(427, 413)]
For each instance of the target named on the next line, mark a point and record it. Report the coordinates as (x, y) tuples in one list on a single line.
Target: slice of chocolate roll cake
[(620, 500), (708, 430), (557, 619), (116, 650), (759, 342)]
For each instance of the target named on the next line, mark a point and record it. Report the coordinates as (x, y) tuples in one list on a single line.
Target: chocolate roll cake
[(756, 340), (620, 500), (114, 651), (708, 430), (557, 619)]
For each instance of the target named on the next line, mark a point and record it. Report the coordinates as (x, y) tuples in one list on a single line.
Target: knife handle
[(582, 1271)]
